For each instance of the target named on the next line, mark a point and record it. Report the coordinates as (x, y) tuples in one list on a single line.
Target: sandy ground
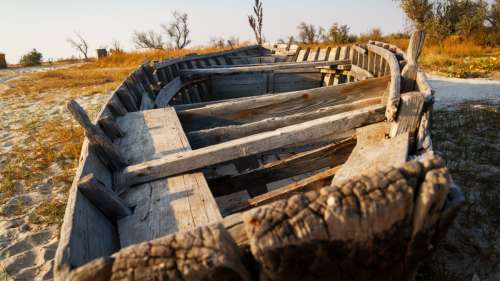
[(27, 251)]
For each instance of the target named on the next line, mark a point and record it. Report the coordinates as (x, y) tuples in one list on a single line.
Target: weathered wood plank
[(309, 161), (105, 149), (203, 138), (409, 73), (359, 73), (168, 205), (368, 220), (395, 86), (187, 74), (409, 114), (191, 160), (103, 198), (244, 110), (374, 150), (168, 92)]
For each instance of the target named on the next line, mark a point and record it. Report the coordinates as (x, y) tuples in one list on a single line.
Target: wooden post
[(105, 149), (3, 63), (409, 73), (102, 53)]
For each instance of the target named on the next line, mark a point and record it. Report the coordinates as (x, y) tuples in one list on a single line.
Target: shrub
[(32, 58)]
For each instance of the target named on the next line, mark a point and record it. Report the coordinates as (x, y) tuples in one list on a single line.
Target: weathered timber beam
[(395, 85), (359, 73), (254, 181), (105, 199), (204, 253), (105, 149), (409, 73), (316, 181), (217, 135), (191, 160), (187, 73), (238, 111), (409, 114), (171, 89), (371, 217)]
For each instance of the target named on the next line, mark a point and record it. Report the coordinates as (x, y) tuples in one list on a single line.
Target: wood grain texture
[(191, 160), (395, 85), (168, 205), (374, 150), (409, 115), (168, 92), (314, 236), (245, 110), (104, 198)]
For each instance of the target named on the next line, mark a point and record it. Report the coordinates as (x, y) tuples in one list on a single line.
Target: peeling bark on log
[(357, 231)]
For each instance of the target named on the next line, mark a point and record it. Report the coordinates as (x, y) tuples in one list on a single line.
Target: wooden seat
[(167, 205)]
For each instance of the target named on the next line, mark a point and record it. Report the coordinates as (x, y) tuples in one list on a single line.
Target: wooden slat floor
[(168, 205)]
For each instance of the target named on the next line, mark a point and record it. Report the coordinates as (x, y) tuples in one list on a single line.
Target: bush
[(32, 58)]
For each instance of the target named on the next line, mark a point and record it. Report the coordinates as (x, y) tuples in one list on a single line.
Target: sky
[(46, 24)]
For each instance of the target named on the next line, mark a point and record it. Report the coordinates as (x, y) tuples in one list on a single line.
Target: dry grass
[(456, 57), (53, 146)]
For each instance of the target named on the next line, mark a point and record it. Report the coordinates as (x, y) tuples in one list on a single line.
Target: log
[(187, 161), (105, 199), (358, 230), (189, 73), (105, 149), (217, 135), (395, 85), (206, 253)]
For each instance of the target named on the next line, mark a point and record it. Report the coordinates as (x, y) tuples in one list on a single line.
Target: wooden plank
[(313, 55), (395, 85), (167, 205), (409, 114), (302, 55), (191, 160), (168, 92), (327, 156), (244, 110), (229, 203), (186, 74), (409, 73), (317, 181), (217, 135), (109, 126), (105, 199), (324, 53), (373, 150), (359, 73)]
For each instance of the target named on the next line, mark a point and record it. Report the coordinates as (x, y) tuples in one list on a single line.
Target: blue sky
[(46, 24)]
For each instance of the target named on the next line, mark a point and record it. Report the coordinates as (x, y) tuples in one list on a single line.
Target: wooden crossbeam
[(250, 109), (179, 163), (216, 135), (188, 73)]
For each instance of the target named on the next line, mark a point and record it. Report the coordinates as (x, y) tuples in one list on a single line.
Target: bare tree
[(217, 42), (80, 44), (256, 21), (148, 40), (178, 31), (309, 34), (116, 46)]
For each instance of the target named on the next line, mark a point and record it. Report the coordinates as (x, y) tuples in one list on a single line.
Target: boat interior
[(202, 138)]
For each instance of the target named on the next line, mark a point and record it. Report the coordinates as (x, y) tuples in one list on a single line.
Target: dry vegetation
[(51, 144), (456, 57)]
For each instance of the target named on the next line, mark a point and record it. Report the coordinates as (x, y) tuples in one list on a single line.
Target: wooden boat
[(279, 163)]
